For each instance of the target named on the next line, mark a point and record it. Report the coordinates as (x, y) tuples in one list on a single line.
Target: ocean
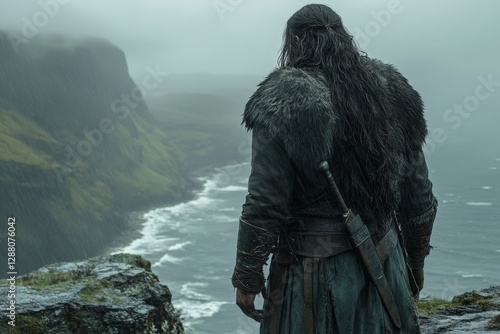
[(192, 245)]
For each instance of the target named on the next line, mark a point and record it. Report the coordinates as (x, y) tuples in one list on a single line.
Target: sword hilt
[(339, 201)]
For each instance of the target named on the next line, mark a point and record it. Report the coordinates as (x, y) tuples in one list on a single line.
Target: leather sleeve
[(417, 211), (264, 212)]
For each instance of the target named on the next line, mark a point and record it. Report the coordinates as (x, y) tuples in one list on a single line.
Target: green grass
[(93, 291), (25, 324), (15, 124), (432, 306), (132, 259), (94, 198), (15, 133), (469, 298), (52, 278), (99, 291)]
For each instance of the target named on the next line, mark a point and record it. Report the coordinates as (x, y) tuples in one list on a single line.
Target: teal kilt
[(346, 300)]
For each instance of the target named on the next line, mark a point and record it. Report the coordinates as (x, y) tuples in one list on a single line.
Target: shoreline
[(133, 226), (134, 220)]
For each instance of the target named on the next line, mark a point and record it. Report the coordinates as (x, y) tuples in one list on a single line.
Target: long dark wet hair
[(367, 162)]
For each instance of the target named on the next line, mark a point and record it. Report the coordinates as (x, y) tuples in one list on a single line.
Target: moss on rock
[(487, 302), (427, 307), (493, 324)]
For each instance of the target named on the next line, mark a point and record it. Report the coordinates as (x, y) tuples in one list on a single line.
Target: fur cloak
[(296, 108)]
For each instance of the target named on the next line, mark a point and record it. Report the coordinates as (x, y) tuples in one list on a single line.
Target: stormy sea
[(192, 245)]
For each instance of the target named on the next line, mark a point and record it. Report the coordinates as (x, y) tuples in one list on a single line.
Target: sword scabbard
[(365, 248)]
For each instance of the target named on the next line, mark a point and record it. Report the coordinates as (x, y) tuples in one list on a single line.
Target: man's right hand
[(245, 301)]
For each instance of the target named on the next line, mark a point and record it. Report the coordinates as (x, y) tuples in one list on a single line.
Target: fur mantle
[(295, 107)]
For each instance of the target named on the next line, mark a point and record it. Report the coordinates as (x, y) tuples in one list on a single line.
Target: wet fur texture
[(295, 106)]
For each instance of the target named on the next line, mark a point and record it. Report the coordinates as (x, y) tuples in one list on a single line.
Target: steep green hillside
[(74, 156), (205, 125)]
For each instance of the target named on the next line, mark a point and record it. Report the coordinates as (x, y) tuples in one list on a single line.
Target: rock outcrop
[(471, 312), (109, 295)]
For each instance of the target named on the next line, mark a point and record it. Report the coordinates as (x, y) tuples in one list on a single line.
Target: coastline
[(134, 220)]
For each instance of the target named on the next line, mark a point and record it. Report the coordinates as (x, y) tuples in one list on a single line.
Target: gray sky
[(244, 36)]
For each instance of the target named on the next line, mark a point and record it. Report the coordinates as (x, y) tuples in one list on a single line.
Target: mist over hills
[(440, 85), (79, 147), (209, 83)]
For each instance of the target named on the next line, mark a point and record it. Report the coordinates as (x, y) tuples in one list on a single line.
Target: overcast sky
[(244, 36)]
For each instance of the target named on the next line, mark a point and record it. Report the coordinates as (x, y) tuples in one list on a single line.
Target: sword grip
[(333, 186)]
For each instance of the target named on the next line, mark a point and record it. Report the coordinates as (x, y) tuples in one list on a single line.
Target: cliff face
[(78, 149), (114, 294)]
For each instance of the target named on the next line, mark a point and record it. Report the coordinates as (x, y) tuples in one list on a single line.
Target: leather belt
[(321, 238), (316, 238)]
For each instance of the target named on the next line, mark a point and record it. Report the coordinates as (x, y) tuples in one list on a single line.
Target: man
[(329, 102)]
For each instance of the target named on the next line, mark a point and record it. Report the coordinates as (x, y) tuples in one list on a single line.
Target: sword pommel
[(325, 168)]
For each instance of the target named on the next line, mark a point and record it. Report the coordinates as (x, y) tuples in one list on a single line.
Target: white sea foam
[(479, 203), (167, 258), (207, 277), (195, 305), (486, 187), (192, 206), (157, 220), (493, 168), (234, 166), (472, 275), (233, 188), (149, 242), (194, 309), (179, 246), (189, 290), (221, 219), (226, 209)]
